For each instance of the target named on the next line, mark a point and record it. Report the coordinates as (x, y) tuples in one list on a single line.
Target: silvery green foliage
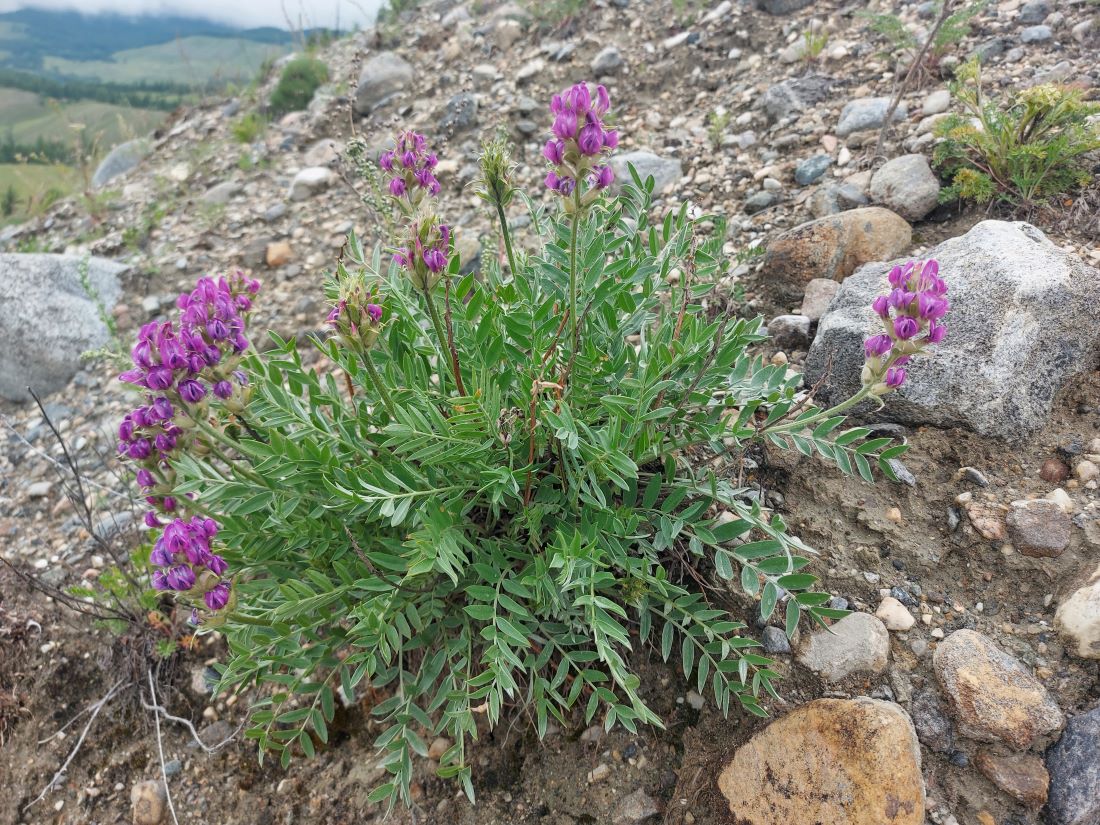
[(514, 548)]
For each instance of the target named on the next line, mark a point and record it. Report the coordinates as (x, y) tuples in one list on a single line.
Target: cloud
[(244, 13)]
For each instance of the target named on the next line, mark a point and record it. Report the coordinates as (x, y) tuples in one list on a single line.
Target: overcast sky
[(246, 13)]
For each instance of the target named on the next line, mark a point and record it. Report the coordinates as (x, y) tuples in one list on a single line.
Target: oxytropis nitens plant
[(500, 488), (1024, 150)]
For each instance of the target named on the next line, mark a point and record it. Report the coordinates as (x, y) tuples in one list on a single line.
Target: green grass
[(33, 181), (28, 117), (191, 60)]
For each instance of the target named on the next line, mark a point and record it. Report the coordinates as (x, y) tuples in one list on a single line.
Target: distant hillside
[(29, 36)]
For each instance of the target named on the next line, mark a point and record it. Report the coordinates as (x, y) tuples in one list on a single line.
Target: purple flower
[(435, 260), (881, 306), (931, 307), (397, 187), (223, 390), (895, 377), (878, 345), (386, 161), (554, 151), (192, 391), (374, 312), (552, 181), (151, 520), (217, 597), (610, 139), (565, 125), (145, 478), (180, 577), (602, 176), (905, 328), (936, 333), (590, 140), (216, 564)]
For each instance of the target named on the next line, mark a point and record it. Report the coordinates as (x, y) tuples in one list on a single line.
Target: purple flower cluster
[(411, 164), (180, 366), (356, 320), (427, 252), (192, 360), (186, 564), (912, 318), (580, 140), (149, 436)]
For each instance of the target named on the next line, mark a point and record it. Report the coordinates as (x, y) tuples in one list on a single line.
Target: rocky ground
[(964, 687)]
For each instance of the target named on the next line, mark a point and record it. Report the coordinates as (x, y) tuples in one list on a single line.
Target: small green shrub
[(300, 79), (716, 127), (903, 45), (248, 127), (1022, 150), (815, 44)]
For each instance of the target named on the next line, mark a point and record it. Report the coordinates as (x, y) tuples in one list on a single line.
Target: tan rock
[(1021, 776), (987, 519), (894, 614), (1078, 619), (149, 801), (278, 253), (829, 762), (834, 246), (991, 694)]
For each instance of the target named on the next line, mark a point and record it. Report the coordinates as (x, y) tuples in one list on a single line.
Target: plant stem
[(803, 423), (507, 240), (440, 335), (383, 393), (573, 271)]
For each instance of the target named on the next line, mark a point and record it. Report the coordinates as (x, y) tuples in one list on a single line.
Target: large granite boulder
[(120, 160), (48, 318), (665, 171), (1022, 322)]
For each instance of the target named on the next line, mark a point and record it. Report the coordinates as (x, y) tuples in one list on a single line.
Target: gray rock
[(1021, 323), (1036, 34), (990, 49), (47, 319), (608, 61), (665, 171), (819, 292), (634, 809), (936, 102), (795, 95), (309, 182), (323, 152), (933, 725), (1033, 12), (867, 113), (274, 212), (382, 75), (219, 194), (906, 185), (811, 169), (790, 332), (775, 641), (1074, 767), (120, 160), (858, 643), (759, 201), (460, 114), (778, 7), (110, 525)]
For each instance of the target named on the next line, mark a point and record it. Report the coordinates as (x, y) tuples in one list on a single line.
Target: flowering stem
[(573, 270), (803, 423), (451, 336), (507, 239), (376, 379), (441, 336)]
